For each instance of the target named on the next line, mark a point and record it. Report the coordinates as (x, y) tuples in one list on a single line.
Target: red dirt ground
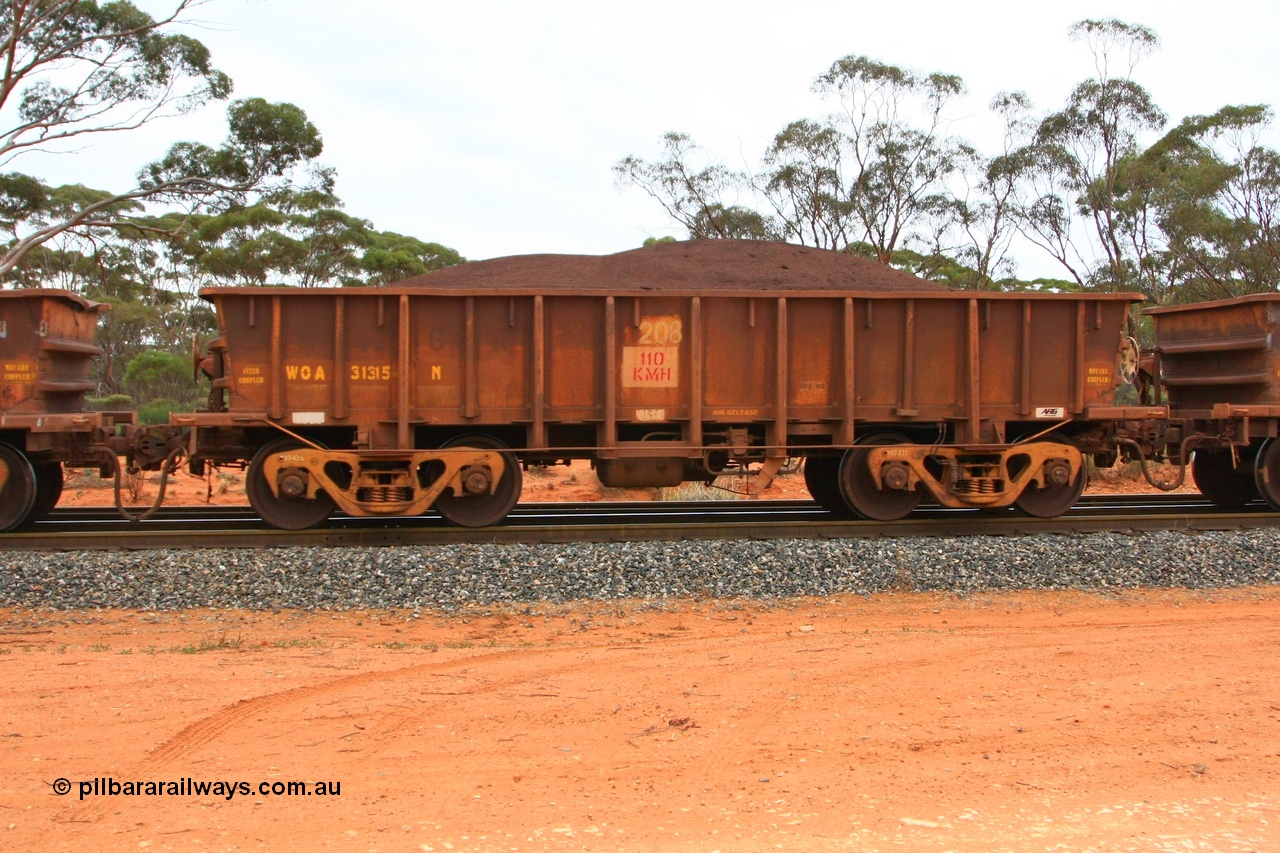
[(1144, 721)]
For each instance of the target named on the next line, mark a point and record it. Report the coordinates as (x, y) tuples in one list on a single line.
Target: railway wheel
[(1227, 485), (485, 507), (858, 486), (48, 489), (1267, 472), (284, 511), (1053, 499), (18, 495), (822, 479)]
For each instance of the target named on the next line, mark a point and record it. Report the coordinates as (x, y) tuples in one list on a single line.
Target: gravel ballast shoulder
[(450, 577)]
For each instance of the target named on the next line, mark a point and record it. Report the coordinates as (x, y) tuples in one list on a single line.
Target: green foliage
[(252, 209), (688, 194), (1203, 200), (390, 257), (158, 411), (110, 403), (76, 68), (306, 239), (874, 175), (158, 375)]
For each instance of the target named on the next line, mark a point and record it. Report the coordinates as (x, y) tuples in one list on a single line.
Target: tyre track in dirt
[(211, 727)]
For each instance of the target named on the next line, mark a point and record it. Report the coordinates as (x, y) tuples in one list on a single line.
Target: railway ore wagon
[(1219, 364), (47, 353), (388, 401)]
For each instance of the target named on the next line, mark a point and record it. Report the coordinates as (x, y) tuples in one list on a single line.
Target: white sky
[(492, 126)]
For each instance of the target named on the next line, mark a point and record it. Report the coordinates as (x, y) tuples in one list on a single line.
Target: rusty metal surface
[(623, 373), (46, 350), (1224, 352)]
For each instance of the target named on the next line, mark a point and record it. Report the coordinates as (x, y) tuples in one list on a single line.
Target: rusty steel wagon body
[(1219, 365), (388, 401), (46, 352)]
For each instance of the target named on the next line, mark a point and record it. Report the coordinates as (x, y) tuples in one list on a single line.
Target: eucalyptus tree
[(803, 180), (391, 257), (75, 69), (1207, 195), (897, 157), (985, 205), (874, 176), (1074, 165), (694, 195)]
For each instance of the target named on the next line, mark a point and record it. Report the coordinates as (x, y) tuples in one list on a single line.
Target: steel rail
[(182, 528)]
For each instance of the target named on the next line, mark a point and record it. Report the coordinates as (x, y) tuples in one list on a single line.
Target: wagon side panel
[(815, 356), (503, 352), (437, 363), (575, 358), (308, 361), (367, 356), (245, 326), (739, 337), (879, 358)]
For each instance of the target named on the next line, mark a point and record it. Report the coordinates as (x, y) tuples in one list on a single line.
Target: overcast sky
[(492, 127)]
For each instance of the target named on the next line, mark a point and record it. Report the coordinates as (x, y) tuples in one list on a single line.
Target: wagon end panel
[(47, 350), (1220, 351), (245, 325), (19, 351)]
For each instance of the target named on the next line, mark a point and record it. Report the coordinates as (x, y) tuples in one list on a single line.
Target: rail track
[(188, 527)]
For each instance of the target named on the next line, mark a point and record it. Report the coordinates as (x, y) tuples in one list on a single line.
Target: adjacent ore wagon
[(1219, 364), (390, 401), (47, 353)]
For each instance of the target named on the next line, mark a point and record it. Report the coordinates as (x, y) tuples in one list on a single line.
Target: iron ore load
[(662, 365)]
